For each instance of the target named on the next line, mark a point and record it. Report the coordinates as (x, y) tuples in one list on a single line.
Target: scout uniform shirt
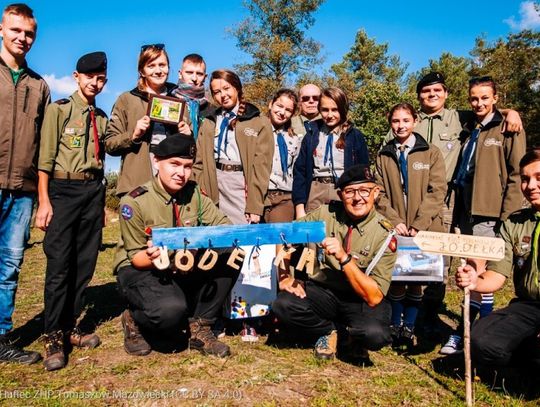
[(517, 233), (150, 206), (67, 137), (367, 237)]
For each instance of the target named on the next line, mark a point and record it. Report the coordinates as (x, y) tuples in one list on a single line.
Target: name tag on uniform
[(75, 141), (70, 130)]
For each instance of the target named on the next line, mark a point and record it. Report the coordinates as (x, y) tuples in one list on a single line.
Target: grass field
[(256, 374)]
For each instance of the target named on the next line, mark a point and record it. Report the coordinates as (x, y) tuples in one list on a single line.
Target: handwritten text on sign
[(476, 247)]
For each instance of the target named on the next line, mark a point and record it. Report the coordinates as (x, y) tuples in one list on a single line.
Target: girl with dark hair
[(330, 146), (412, 176), (487, 183), (130, 133), (234, 152), (286, 148)]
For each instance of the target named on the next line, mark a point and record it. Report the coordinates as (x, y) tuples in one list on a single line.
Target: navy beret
[(176, 145), (92, 63), (430, 79), (356, 174)]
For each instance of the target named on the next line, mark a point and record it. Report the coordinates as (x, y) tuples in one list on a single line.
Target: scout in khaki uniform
[(161, 301), (339, 292), (71, 201), (511, 334)]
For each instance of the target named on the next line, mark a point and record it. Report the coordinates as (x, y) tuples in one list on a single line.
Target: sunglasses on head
[(315, 98), (156, 46)]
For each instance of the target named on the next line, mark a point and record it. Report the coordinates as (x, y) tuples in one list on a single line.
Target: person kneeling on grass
[(339, 292), (162, 300), (511, 335)]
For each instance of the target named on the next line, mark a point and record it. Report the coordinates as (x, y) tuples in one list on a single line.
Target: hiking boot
[(83, 340), (395, 332), (326, 346), (134, 342), (203, 339), (11, 353), (454, 346), (407, 337), (54, 351)]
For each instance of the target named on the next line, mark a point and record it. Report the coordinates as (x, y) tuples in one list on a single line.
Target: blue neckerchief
[(283, 153), (194, 116), (403, 169), (467, 155), (223, 130), (329, 154)]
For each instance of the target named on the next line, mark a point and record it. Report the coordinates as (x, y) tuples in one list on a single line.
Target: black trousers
[(508, 336), (160, 300), (318, 313), (71, 245)]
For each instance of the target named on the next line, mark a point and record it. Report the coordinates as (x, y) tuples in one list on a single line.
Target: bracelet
[(346, 261), (137, 141)]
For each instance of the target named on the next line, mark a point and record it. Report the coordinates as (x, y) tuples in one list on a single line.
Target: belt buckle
[(228, 167), (88, 176)]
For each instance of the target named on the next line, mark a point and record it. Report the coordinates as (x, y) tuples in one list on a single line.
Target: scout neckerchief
[(329, 153), (283, 153), (348, 239), (536, 234), (467, 156), (194, 97), (403, 167), (176, 210), (430, 129), (95, 133), (224, 130)]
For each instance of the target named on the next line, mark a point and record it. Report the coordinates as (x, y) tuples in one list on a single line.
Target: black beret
[(176, 145), (92, 62), (430, 79), (356, 174)]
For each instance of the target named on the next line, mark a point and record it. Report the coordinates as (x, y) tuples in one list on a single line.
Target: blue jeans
[(15, 215)]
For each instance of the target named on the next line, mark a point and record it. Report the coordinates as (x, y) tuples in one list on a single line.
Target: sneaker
[(248, 334), (83, 340), (326, 346), (134, 342), (54, 351), (203, 339), (11, 353), (454, 346)]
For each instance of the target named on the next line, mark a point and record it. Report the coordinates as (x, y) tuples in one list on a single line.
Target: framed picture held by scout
[(165, 109)]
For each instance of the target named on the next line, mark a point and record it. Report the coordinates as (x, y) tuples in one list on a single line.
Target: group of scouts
[(225, 162)]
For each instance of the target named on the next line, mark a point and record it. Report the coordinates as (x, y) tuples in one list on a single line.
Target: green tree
[(274, 36), (515, 66), (373, 80)]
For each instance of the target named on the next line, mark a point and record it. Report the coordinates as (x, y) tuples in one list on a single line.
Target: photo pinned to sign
[(255, 288), (414, 265)]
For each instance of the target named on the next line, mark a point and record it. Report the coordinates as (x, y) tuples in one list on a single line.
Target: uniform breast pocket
[(450, 141), (361, 260), (74, 137), (522, 253)]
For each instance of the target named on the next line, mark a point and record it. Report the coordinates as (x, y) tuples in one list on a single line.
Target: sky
[(417, 31)]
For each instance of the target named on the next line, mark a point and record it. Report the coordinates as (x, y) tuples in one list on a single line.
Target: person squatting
[(227, 162)]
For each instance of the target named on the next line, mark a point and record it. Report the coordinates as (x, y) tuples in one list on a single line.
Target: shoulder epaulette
[(138, 192), (62, 101), (385, 223)]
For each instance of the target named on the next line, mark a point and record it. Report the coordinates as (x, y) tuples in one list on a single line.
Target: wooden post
[(467, 347)]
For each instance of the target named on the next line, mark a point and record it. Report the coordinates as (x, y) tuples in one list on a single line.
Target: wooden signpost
[(464, 246)]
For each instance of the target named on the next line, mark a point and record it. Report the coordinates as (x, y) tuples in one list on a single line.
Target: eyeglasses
[(363, 192), (315, 98), (156, 46)]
